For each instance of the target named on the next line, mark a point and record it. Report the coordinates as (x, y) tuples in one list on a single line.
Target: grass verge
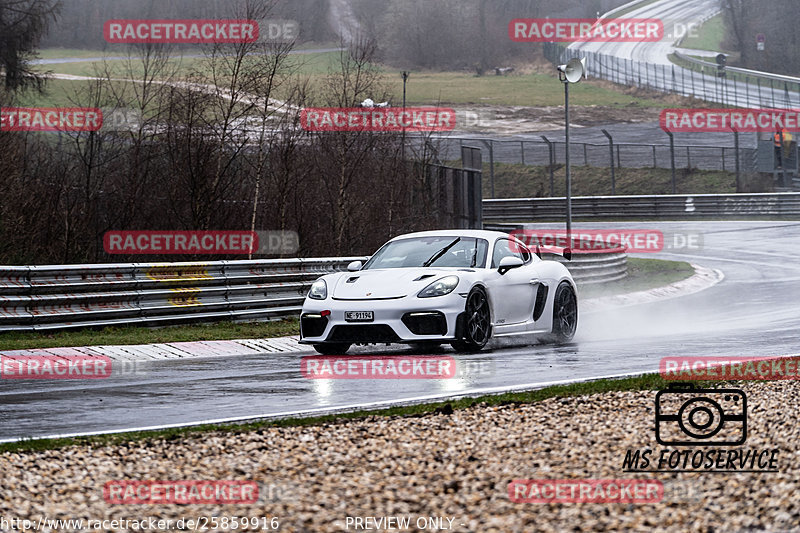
[(644, 382), (141, 335), (424, 88), (513, 180), (709, 36), (643, 274)]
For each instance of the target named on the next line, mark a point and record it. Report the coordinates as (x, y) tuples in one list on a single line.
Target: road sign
[(760, 40)]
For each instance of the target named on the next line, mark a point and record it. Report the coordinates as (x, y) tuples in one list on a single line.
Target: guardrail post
[(522, 152), (551, 152), (611, 159), (672, 159)]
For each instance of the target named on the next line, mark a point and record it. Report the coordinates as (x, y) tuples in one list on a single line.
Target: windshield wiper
[(432, 259)]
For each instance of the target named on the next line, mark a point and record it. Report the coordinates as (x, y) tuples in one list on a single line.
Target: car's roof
[(481, 234)]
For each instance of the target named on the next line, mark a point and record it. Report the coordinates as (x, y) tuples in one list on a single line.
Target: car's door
[(512, 294)]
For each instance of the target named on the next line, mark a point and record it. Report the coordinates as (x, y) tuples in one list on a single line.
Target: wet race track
[(755, 310)]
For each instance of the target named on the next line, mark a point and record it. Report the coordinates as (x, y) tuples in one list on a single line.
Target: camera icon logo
[(693, 416)]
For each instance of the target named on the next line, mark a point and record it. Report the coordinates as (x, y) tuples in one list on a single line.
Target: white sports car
[(461, 287)]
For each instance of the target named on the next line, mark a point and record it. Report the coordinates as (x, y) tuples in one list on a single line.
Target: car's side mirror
[(355, 266), (508, 263)]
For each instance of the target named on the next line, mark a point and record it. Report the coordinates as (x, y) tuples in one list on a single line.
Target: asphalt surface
[(648, 63), (754, 311)]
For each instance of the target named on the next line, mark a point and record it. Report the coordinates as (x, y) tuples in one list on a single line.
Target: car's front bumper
[(402, 320)]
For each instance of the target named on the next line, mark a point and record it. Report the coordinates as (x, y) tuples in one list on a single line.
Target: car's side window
[(505, 248), (526, 254)]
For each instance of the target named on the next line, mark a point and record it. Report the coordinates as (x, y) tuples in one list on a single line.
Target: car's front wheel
[(333, 348), (565, 313), (476, 329)]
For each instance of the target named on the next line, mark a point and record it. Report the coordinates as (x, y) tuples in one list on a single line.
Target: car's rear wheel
[(476, 329), (565, 313), (333, 348)]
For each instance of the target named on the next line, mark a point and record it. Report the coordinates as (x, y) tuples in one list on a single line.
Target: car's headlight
[(319, 290), (440, 287)]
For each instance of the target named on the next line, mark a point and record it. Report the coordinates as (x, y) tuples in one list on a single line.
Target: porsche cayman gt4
[(461, 287)]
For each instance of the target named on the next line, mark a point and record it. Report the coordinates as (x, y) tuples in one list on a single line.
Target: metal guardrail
[(586, 267), (739, 70), (58, 297), (673, 207), (70, 296)]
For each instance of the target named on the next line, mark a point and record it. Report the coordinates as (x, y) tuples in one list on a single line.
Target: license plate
[(359, 316)]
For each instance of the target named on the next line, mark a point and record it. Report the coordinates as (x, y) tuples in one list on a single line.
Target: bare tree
[(23, 23)]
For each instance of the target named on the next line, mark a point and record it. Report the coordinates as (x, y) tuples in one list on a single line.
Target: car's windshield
[(438, 251)]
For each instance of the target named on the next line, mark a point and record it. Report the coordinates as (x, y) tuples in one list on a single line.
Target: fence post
[(736, 155), (522, 152), (491, 165), (611, 159), (747, 91), (703, 77), (672, 159), (772, 90), (786, 92), (673, 78), (758, 82), (654, 156), (552, 164)]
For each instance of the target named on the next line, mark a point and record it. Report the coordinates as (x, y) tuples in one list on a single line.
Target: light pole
[(572, 72)]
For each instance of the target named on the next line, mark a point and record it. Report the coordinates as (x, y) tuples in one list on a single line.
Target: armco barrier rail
[(595, 267), (70, 296), (586, 267), (57, 297), (666, 207)]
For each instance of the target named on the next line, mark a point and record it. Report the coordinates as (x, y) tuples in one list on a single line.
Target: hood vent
[(424, 276)]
